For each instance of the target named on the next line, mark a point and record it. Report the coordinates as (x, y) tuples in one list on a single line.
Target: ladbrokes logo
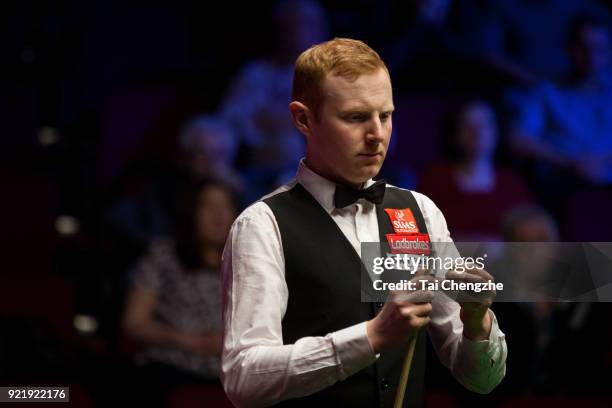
[(415, 244), (402, 220)]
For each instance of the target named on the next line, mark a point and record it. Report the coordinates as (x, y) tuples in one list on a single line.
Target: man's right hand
[(400, 318)]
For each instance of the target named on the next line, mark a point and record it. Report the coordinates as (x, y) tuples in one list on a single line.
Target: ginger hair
[(344, 57)]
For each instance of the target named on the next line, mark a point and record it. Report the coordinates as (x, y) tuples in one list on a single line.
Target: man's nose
[(375, 133)]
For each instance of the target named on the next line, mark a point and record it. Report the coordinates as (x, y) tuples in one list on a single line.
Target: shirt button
[(384, 385)]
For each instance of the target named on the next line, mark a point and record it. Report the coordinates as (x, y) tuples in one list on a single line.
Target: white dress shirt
[(259, 370)]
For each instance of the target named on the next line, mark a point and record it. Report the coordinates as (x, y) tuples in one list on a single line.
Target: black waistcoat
[(323, 274)]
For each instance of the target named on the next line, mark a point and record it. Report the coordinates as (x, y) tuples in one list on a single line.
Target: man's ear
[(302, 117)]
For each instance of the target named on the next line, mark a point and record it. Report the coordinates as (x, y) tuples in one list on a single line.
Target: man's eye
[(384, 117), (356, 118)]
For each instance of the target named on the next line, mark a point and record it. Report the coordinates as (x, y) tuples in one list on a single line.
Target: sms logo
[(402, 220)]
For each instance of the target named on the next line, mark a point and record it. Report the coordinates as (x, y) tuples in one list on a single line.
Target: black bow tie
[(345, 196)]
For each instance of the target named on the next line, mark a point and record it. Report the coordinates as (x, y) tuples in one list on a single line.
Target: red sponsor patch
[(414, 244), (402, 220)]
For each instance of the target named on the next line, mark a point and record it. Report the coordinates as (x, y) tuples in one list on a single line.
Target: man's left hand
[(474, 306)]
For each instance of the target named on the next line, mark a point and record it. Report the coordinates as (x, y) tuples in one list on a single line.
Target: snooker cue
[(403, 381)]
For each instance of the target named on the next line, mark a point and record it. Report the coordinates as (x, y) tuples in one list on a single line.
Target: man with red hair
[(295, 329)]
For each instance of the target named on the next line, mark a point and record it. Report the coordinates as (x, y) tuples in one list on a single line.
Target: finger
[(421, 272), (467, 277), (423, 309), (418, 278), (486, 275), (420, 321), (480, 272), (419, 296), (416, 310)]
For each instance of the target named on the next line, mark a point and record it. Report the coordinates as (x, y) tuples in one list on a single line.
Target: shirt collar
[(319, 187)]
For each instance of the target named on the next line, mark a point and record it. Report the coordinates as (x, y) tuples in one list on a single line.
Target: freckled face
[(349, 139)]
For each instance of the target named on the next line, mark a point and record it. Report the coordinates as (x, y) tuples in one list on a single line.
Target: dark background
[(93, 96)]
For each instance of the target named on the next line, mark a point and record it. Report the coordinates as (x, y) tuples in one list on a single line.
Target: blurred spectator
[(206, 148), (566, 128), (256, 100), (528, 35), (476, 45), (542, 333), (529, 224), (173, 307), (470, 189), (530, 272), (425, 43), (452, 46)]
